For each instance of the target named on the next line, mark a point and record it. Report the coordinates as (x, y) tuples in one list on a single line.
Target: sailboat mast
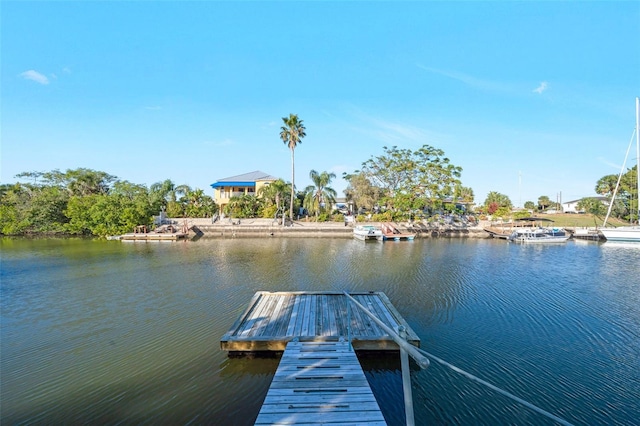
[(624, 163), (638, 157)]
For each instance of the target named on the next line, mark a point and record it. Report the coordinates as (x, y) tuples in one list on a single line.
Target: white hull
[(539, 236), (623, 233), (367, 232), (545, 240)]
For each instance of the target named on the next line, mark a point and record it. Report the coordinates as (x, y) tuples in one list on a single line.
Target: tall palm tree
[(291, 134), (320, 192)]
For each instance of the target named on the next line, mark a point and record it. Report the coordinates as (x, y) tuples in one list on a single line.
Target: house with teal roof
[(237, 186)]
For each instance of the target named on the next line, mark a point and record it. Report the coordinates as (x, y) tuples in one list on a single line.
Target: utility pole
[(520, 189)]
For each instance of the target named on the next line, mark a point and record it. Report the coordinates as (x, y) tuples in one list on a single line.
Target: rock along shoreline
[(269, 228)]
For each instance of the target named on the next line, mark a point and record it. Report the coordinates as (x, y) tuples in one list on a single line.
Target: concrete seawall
[(269, 228)]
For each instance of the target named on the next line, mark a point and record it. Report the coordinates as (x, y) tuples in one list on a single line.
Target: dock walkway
[(319, 383)]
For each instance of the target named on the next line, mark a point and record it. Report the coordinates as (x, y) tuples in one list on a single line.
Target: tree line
[(398, 184), (88, 202), (625, 203)]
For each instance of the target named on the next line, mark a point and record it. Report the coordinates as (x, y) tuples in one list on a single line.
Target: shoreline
[(269, 228)]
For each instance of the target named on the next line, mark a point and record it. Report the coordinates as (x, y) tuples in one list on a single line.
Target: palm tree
[(168, 191), (497, 198), (544, 202), (464, 194), (320, 192), (291, 134), (274, 192)]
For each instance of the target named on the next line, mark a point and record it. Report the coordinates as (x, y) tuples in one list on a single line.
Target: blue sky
[(529, 98)]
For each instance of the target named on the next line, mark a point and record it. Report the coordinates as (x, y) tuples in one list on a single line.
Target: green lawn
[(580, 220)]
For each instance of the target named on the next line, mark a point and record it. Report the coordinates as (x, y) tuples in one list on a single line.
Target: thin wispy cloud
[(541, 88), (392, 132), (218, 144), (396, 133), (610, 164), (35, 76), (469, 80)]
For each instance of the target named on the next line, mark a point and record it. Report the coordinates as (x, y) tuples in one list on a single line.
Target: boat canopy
[(535, 219)]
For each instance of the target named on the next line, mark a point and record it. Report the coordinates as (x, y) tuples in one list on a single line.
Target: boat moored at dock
[(539, 235), (368, 233)]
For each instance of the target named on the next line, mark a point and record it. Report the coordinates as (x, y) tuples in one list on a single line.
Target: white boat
[(539, 235), (622, 233), (368, 232), (626, 233)]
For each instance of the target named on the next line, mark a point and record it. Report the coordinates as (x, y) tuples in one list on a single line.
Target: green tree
[(244, 206), (320, 193), (28, 208), (198, 204), (175, 209), (115, 213), (79, 181), (360, 191), (592, 206), (543, 202), (500, 200), (464, 194), (409, 179), (292, 133), (275, 194), (606, 185), (166, 193), (530, 205), (625, 202), (13, 221)]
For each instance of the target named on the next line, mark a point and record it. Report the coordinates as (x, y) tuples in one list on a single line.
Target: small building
[(572, 206), (343, 205), (237, 186)]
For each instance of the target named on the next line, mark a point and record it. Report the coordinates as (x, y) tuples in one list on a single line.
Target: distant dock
[(273, 319), (162, 233), (391, 233), (153, 236)]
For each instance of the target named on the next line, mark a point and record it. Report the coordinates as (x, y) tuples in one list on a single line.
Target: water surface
[(128, 333)]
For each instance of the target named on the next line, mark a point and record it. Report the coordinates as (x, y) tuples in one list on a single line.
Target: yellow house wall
[(223, 195)]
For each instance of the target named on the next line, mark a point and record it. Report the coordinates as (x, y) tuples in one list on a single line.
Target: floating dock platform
[(273, 319), (153, 236), (391, 233)]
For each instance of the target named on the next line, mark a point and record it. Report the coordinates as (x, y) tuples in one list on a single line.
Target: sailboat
[(626, 233)]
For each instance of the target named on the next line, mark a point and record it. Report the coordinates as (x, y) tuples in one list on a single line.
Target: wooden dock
[(273, 319), (391, 233), (153, 236), (319, 383)]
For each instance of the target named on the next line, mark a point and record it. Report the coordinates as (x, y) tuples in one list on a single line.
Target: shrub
[(269, 212), (382, 217), (323, 217)]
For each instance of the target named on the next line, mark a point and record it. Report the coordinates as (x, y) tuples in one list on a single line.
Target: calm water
[(106, 332)]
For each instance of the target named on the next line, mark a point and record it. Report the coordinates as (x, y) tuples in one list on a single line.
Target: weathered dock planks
[(272, 319), (153, 236), (319, 383)]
